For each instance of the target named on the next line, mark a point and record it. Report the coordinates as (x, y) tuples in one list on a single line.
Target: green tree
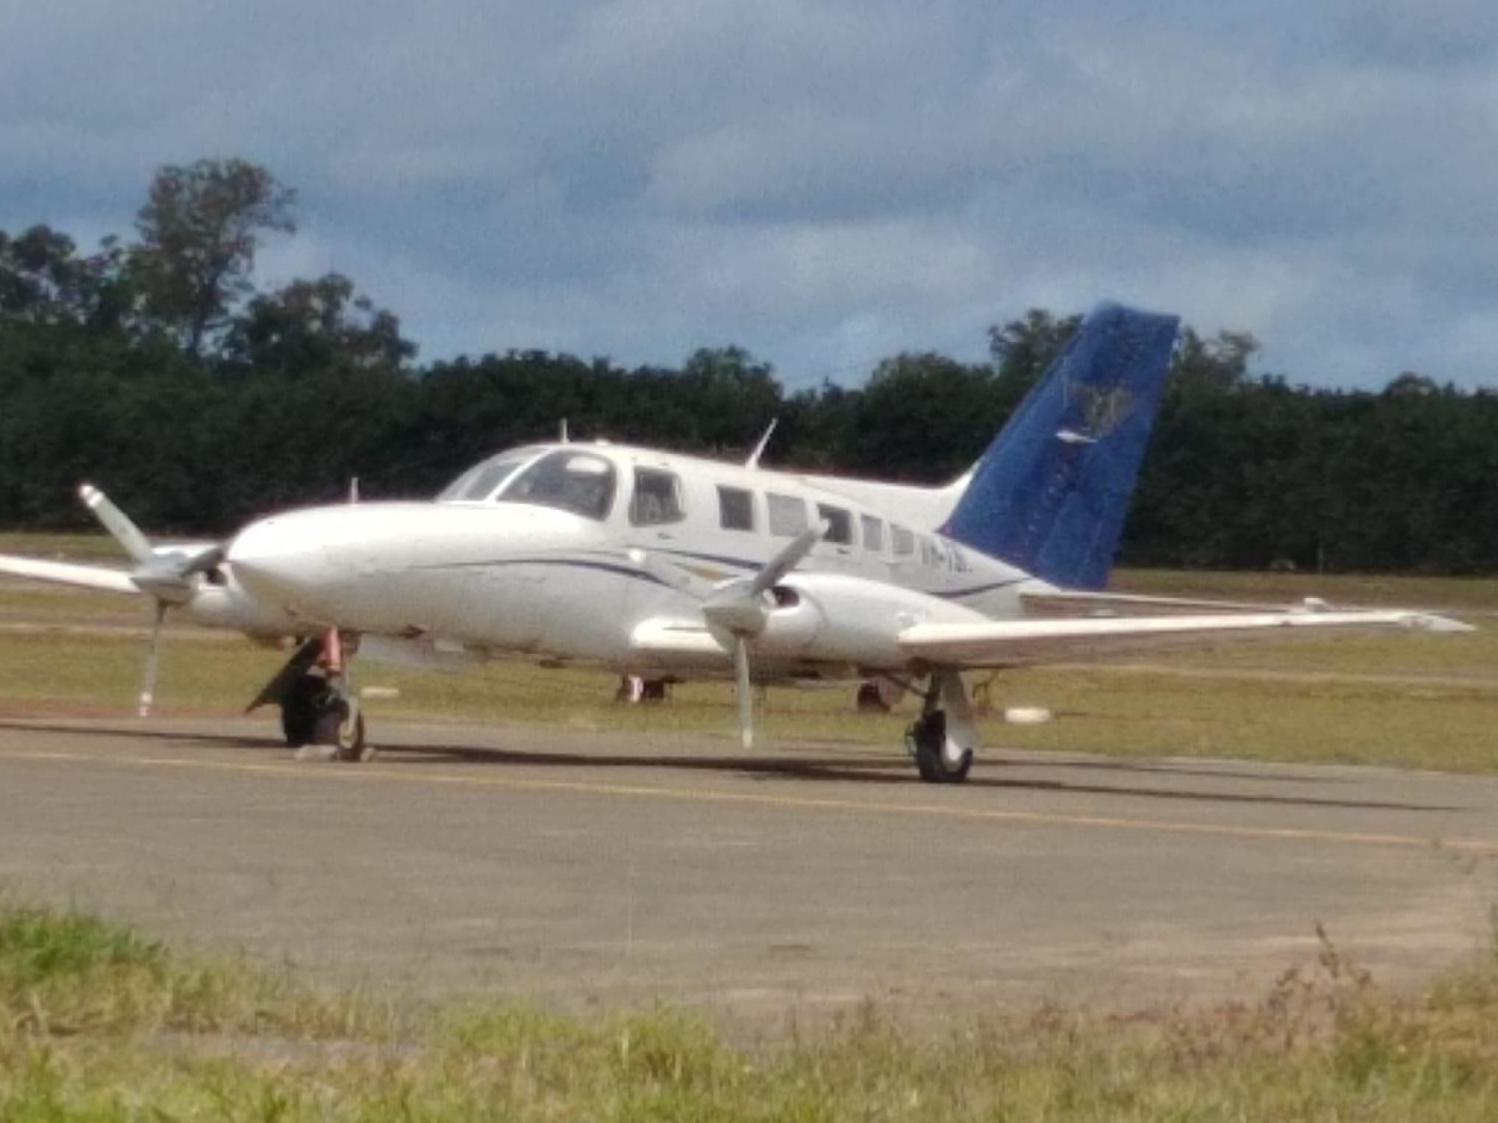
[(199, 230), (45, 282), (924, 418), (1022, 350), (310, 324)]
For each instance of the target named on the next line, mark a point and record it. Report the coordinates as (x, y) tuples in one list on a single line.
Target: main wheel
[(927, 739)]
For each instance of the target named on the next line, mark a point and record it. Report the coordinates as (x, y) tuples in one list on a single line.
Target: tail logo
[(1103, 409)]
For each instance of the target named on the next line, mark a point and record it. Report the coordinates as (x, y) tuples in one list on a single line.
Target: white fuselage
[(494, 570)]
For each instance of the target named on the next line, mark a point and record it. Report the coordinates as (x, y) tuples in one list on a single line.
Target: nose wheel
[(312, 713), (318, 704), (344, 731)]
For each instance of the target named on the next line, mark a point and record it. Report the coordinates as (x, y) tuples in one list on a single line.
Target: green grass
[(94, 546), (1455, 593), (100, 1024)]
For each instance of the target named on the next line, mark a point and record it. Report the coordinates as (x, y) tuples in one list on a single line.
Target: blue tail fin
[(1051, 492)]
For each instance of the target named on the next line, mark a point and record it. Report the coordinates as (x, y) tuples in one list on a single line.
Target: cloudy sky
[(824, 183)]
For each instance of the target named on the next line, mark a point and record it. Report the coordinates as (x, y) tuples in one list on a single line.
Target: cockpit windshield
[(574, 481), (483, 479)]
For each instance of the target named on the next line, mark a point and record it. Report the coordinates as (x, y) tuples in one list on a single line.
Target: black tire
[(870, 700), (333, 728), (299, 711), (928, 738)]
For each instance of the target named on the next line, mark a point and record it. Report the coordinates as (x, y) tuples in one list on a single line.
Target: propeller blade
[(153, 655), (125, 532), (739, 606), (203, 560), (788, 558), (744, 688), (165, 575)]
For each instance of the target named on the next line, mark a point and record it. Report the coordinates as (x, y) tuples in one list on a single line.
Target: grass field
[(99, 1023), (1397, 699)]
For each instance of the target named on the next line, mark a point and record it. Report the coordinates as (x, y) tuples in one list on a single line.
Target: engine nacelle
[(833, 617)]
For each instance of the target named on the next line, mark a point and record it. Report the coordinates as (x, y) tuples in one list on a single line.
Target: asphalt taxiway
[(581, 868)]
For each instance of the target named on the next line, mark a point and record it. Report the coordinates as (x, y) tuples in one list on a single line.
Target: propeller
[(738, 610), (165, 576)]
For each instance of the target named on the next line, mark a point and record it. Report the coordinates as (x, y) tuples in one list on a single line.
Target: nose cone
[(279, 559), (331, 565)]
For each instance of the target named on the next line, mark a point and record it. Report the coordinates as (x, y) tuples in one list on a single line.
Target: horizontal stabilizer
[(1005, 643), (66, 573)]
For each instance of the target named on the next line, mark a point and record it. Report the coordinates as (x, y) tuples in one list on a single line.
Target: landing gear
[(943, 738), (299, 709), (633, 690), (317, 699), (871, 699)]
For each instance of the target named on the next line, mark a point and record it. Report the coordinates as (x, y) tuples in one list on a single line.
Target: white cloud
[(639, 177)]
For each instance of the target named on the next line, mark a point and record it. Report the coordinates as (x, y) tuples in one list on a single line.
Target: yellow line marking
[(354, 772)]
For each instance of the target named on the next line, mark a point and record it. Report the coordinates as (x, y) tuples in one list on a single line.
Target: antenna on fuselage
[(759, 449), (562, 435)]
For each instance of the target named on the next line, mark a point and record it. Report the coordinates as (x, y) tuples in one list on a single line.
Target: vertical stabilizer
[(1051, 492)]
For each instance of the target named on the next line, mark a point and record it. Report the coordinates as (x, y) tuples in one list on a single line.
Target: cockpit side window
[(574, 481), (488, 479), (481, 481), (657, 498)]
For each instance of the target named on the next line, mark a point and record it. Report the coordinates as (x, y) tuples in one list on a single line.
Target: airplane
[(665, 565)]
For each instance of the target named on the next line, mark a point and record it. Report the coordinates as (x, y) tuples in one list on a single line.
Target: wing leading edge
[(65, 573)]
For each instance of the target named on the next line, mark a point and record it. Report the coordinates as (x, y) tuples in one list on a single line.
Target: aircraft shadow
[(884, 771), (871, 770)]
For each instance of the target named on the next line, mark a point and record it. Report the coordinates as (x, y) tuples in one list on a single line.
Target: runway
[(584, 868)]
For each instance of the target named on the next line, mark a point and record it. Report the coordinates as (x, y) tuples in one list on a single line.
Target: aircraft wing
[(67, 573), (1005, 643)]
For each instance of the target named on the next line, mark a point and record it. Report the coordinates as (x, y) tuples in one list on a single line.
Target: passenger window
[(573, 481), (787, 515), (904, 541), (839, 524), (735, 508), (873, 533), (657, 498)]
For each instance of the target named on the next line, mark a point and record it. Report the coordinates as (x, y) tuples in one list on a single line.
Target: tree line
[(156, 368)]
